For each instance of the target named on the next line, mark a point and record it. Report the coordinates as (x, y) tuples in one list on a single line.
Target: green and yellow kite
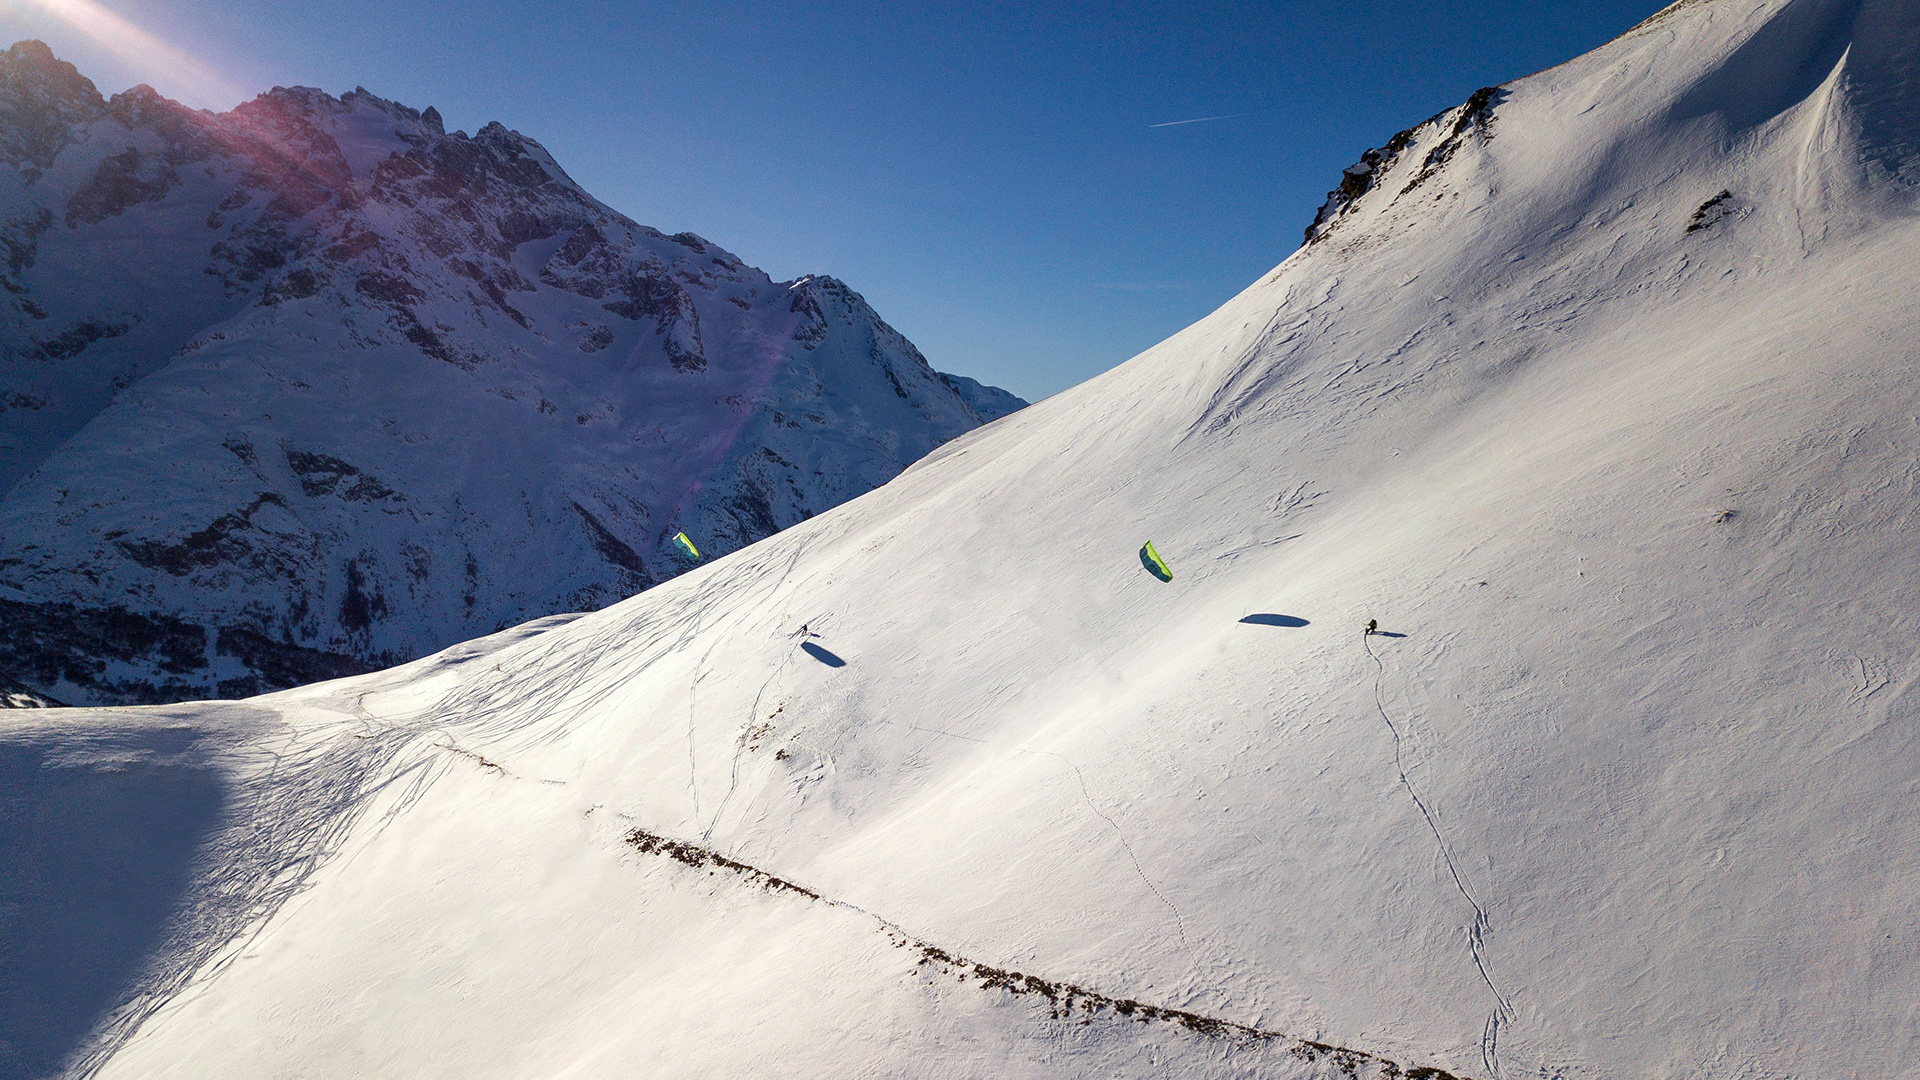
[(1155, 565)]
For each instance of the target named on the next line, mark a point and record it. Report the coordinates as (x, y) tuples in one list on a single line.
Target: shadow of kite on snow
[(1264, 619), (822, 655)]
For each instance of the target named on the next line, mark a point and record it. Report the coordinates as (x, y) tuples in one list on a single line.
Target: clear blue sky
[(987, 175)]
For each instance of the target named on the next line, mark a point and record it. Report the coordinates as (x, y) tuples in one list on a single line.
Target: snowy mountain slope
[(990, 402), (15, 696), (313, 386), (1626, 788)]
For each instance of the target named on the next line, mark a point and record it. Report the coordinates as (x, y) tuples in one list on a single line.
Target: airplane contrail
[(1199, 120)]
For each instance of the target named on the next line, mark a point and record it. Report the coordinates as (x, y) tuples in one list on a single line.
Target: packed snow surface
[(1625, 787)]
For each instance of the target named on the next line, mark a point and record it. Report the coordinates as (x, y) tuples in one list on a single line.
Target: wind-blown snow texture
[(313, 387), (1626, 787)]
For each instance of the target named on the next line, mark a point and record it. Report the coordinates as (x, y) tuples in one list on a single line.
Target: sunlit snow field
[(1626, 788)]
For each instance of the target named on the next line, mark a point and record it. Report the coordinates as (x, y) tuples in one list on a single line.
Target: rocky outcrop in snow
[(314, 386)]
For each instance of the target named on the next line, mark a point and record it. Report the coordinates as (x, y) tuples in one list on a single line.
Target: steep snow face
[(313, 386), (943, 784)]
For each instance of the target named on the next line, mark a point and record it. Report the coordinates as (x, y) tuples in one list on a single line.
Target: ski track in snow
[(1179, 921), (1502, 1011), (739, 748), (275, 845)]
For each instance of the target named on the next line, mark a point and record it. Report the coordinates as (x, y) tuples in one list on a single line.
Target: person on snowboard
[(1372, 625)]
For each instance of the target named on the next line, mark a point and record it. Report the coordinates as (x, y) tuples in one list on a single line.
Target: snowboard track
[(1065, 1000)]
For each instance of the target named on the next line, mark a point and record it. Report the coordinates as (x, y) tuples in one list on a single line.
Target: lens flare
[(181, 74)]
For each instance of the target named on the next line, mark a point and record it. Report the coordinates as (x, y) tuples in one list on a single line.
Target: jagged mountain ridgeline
[(1067, 752), (315, 386)]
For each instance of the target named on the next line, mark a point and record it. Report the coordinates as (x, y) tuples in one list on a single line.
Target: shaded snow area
[(15, 696), (314, 387), (942, 783)]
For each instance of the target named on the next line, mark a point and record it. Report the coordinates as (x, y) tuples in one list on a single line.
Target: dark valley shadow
[(822, 655), (1264, 619), (97, 849)]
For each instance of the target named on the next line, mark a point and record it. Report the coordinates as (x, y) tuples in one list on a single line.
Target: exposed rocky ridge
[(313, 386), (1471, 120)]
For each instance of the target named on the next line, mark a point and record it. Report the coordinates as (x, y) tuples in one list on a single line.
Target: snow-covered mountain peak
[(41, 96), (1810, 100), (355, 354)]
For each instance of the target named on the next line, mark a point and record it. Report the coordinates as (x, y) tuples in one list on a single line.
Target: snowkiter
[(1372, 625)]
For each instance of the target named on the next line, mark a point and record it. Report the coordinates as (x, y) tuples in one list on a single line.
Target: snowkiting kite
[(1155, 565)]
